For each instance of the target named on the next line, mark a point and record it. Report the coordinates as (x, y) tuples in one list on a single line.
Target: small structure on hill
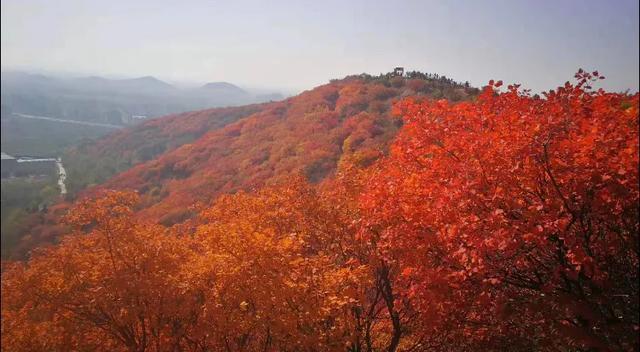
[(398, 71)]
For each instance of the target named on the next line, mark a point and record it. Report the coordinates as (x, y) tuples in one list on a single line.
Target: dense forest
[(362, 215), (179, 160)]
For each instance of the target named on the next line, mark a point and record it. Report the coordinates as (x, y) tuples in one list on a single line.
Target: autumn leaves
[(510, 222)]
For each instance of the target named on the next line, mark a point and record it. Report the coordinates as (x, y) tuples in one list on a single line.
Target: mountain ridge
[(181, 160), (109, 100)]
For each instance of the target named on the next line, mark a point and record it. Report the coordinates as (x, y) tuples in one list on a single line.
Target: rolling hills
[(180, 160), (310, 134), (99, 99)]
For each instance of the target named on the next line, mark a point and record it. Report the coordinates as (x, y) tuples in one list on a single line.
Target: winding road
[(62, 176), (62, 173), (86, 123)]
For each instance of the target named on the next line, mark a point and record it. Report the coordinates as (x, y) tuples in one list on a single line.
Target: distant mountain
[(113, 101), (26, 84), (222, 87), (138, 86), (222, 93), (95, 99), (24, 78), (147, 84)]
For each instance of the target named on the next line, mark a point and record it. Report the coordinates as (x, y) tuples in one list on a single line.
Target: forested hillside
[(93, 162), (507, 222), (309, 134), (182, 160)]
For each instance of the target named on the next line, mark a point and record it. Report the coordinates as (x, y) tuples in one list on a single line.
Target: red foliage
[(515, 215), (163, 134), (309, 133)]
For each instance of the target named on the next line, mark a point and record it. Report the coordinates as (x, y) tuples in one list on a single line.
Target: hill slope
[(180, 160), (94, 162), (310, 134)]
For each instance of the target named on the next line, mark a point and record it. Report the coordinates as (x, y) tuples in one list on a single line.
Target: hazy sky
[(295, 45)]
